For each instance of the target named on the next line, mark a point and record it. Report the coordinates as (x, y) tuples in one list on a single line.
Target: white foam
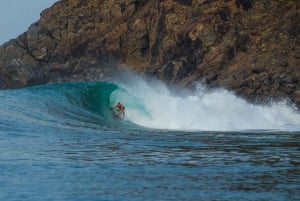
[(218, 110)]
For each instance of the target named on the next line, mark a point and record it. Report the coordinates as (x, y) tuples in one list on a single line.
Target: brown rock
[(297, 97), (248, 47)]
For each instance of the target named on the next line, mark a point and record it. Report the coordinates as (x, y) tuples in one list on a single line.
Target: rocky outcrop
[(250, 47)]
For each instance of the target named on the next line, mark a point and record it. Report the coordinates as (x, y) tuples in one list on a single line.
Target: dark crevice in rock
[(246, 4)]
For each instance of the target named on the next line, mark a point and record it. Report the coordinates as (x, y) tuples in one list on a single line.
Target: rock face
[(250, 47)]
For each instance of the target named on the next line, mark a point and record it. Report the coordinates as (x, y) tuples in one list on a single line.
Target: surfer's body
[(119, 110)]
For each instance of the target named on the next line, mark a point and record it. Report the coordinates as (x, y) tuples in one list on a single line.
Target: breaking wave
[(149, 104)]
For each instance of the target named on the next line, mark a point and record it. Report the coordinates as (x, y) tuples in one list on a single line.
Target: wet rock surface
[(250, 47)]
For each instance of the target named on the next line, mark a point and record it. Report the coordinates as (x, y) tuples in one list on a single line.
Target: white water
[(218, 110)]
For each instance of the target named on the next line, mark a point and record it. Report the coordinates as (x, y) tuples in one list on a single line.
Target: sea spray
[(213, 110)]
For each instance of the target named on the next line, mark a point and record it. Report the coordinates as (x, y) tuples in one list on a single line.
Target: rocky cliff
[(249, 46)]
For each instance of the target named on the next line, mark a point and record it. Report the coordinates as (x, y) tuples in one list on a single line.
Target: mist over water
[(210, 110)]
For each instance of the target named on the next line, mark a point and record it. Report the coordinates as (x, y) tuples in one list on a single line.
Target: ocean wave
[(149, 104)]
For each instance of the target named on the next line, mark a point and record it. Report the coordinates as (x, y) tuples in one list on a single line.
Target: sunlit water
[(60, 142)]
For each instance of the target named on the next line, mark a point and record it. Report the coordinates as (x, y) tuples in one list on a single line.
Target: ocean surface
[(62, 142)]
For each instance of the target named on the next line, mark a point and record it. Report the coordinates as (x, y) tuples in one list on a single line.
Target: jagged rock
[(279, 60), (211, 76), (251, 47)]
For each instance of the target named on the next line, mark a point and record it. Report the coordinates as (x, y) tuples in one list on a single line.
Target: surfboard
[(116, 113)]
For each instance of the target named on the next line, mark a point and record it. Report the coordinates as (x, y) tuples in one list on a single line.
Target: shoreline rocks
[(247, 46)]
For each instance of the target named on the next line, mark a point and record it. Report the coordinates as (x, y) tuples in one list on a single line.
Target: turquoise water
[(61, 142)]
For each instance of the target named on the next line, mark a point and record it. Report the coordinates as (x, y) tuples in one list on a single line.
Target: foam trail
[(218, 110)]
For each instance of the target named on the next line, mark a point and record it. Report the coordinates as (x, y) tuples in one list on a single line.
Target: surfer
[(120, 109)]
